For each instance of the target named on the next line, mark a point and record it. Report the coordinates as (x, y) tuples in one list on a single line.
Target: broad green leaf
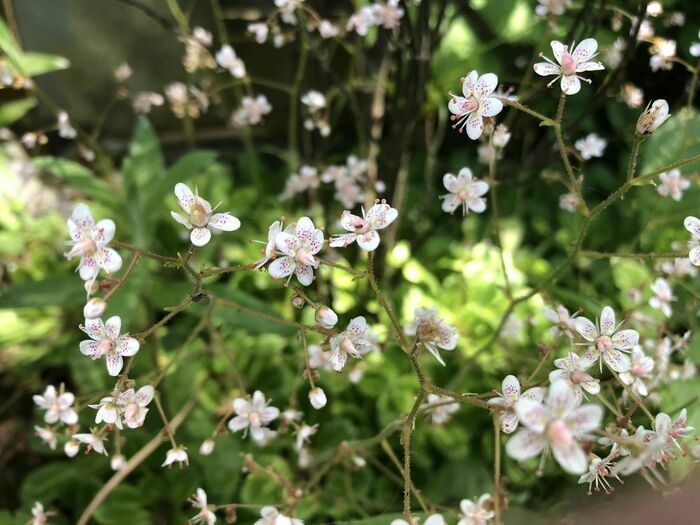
[(13, 111), (55, 291), (34, 64), (78, 176)]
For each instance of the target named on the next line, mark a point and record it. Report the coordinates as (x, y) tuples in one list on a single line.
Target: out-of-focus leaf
[(123, 505), (58, 291), (78, 176), (34, 64), (7, 42), (13, 111)]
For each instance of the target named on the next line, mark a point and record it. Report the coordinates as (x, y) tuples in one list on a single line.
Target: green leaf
[(56, 291), (123, 506), (13, 111), (8, 43), (78, 176), (34, 64)]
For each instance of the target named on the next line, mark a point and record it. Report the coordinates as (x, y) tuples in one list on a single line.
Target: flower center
[(579, 377), (304, 257), (568, 64), (199, 216), (254, 418), (360, 225), (559, 434), (347, 346), (105, 346), (604, 343)]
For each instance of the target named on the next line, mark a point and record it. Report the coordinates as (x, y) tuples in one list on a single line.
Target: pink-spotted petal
[(357, 327), (109, 260), (348, 220), (200, 236), (113, 326), (480, 188), (114, 363), (368, 241), (337, 360), (535, 393), (89, 347), (450, 203), (128, 346), (104, 231), (485, 85), (510, 387), (571, 458), (451, 183), (458, 105), (305, 274), (81, 216), (88, 268), (586, 328), (694, 256), (592, 387), (341, 241), (287, 244), (94, 328), (545, 69), (469, 83), (525, 444), (532, 414), (477, 205), (224, 222), (558, 49), (314, 243), (509, 422), (281, 267), (560, 398), (570, 84), (585, 419), (692, 224), (585, 50), (625, 339), (491, 106), (617, 360), (589, 66), (475, 126), (607, 321), (305, 228), (184, 196), (145, 395), (381, 215)]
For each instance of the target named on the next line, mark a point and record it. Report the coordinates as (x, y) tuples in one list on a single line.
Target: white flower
[(318, 358), (299, 242), (364, 229), (476, 513), (655, 114), (563, 322), (569, 64), (695, 48), (305, 180), (199, 216), (39, 517), (555, 425), (554, 7), (662, 54), (304, 433), (259, 30), (640, 369), (465, 191), (269, 250), (433, 332), (204, 516), (673, 184), (680, 267), (501, 136), (202, 36), (327, 30), (692, 224), (326, 317), (317, 398), (433, 519), (93, 440), (591, 146), (478, 102), (361, 21), (65, 130), (440, 414), (599, 470), (186, 100), (105, 341), (387, 15), (251, 111), (144, 101), (271, 516), (355, 341), (287, 8), (47, 436), (572, 369), (569, 202), (89, 242), (663, 296), (118, 462), (613, 55), (609, 342), (207, 447), (314, 100), (108, 412), (177, 454), (253, 415), (227, 58), (123, 72), (631, 95), (58, 406), (504, 404), (132, 405)]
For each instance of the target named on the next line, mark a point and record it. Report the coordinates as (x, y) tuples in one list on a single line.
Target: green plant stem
[(384, 303), (632, 165), (497, 469), (574, 185)]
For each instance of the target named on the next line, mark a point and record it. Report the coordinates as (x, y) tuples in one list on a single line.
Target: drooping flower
[(692, 224), (207, 447), (227, 59), (177, 454), (441, 413), (106, 341), (663, 296), (477, 512), (89, 242), (204, 516), (655, 114), (609, 342), (433, 332), (556, 425), (107, 412), (199, 218), (465, 191), (58, 406), (299, 242), (572, 369), (640, 369), (591, 146), (673, 184), (504, 404), (478, 102), (271, 516), (569, 63), (117, 462), (355, 341), (365, 229), (94, 441), (253, 415), (600, 470)]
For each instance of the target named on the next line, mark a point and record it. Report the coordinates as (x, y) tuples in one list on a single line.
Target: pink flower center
[(304, 257), (254, 418), (568, 64), (105, 346), (199, 216), (558, 434), (360, 225), (578, 377), (604, 343), (347, 346)]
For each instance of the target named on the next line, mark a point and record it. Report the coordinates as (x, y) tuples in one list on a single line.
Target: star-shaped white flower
[(478, 102), (433, 332), (572, 369), (441, 413), (355, 341), (477, 512), (269, 251), (557, 424), (58, 406), (663, 296), (505, 403), (610, 343), (599, 470), (199, 216), (364, 229), (299, 242), (132, 405), (640, 369), (89, 242), (568, 64), (253, 415), (591, 146), (94, 441), (465, 191), (692, 224), (106, 341), (673, 184)]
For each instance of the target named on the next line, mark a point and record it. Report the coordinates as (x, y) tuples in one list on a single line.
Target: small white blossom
[(591, 146), (673, 184), (569, 64), (663, 53), (47, 436), (641, 368), (465, 191), (65, 130), (478, 102), (39, 516), (388, 14), (504, 404), (477, 512), (207, 447), (631, 95), (253, 415), (655, 114), (58, 406), (304, 433), (71, 448), (609, 342), (176, 455), (501, 136), (260, 31), (692, 224), (227, 59), (663, 296), (299, 242), (564, 323), (572, 370), (94, 308), (317, 398), (599, 471), (365, 229), (553, 7), (204, 516), (144, 101), (433, 332), (251, 112), (271, 516), (361, 21), (106, 341), (117, 462), (123, 72), (569, 202), (199, 218), (327, 30), (93, 440), (355, 341), (89, 242)]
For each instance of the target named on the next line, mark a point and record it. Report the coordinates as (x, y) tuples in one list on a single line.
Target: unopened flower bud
[(71, 448), (94, 308), (207, 447), (326, 317), (317, 397), (298, 301), (91, 287), (118, 462), (654, 115)]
